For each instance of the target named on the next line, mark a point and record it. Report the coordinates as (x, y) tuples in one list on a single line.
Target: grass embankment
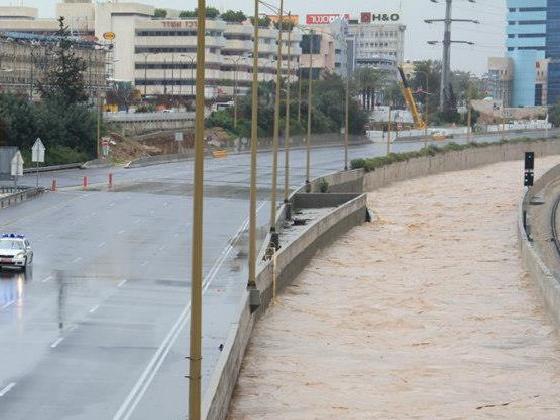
[(370, 164)]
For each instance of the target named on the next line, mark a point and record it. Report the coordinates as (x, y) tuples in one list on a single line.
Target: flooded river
[(424, 313)]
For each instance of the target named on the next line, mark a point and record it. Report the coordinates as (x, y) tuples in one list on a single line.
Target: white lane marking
[(144, 263), (77, 259), (121, 232), (10, 303), (161, 248), (139, 389), (46, 279), (57, 342), (95, 308), (122, 283), (7, 388), (101, 245)]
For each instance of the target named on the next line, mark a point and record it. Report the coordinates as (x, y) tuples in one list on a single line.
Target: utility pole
[(309, 114), (195, 365), (446, 61), (287, 130), (276, 132), (346, 118), (254, 297), (447, 41)]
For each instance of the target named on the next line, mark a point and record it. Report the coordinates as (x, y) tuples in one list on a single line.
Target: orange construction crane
[(410, 102)]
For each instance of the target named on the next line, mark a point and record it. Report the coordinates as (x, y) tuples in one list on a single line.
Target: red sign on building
[(324, 18)]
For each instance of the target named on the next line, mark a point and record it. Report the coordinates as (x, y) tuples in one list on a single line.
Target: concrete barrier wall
[(20, 196), (291, 260), (532, 262)]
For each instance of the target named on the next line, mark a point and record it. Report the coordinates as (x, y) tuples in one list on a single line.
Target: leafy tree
[(554, 114), (369, 81), (64, 79), (288, 24), (263, 22), (427, 77), (233, 16), (212, 12), (450, 114), (327, 117), (187, 14), (160, 13), (123, 94)]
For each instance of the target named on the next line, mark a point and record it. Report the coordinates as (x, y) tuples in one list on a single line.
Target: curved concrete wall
[(291, 260), (532, 261)]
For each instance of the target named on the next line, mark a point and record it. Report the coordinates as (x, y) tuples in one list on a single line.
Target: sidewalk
[(425, 313)]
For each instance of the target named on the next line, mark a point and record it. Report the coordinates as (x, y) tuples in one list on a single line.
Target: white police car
[(15, 251)]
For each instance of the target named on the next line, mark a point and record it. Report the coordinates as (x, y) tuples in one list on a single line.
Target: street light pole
[(195, 394), (309, 107), (299, 94), (276, 132), (287, 130), (346, 119), (252, 284)]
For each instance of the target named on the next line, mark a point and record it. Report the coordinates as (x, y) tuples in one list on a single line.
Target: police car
[(15, 251)]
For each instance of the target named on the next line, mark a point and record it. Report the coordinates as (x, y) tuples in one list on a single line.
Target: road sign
[(38, 151), (109, 36), (178, 136), (17, 164)]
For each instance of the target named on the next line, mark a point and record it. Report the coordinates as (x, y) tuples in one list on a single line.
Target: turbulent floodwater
[(425, 313)]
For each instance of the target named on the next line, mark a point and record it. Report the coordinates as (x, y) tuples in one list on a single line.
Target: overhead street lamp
[(287, 130), (276, 131), (309, 115), (251, 282)]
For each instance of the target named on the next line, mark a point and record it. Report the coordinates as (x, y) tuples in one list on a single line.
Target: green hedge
[(371, 164)]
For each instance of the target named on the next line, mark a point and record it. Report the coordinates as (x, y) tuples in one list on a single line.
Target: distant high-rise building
[(553, 50), (526, 45)]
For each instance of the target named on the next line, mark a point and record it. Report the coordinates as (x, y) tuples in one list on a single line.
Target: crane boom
[(410, 102)]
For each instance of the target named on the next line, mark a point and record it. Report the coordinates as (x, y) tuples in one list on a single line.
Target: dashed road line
[(7, 389), (10, 303), (95, 308), (57, 342), (46, 279), (147, 376), (101, 245), (121, 232), (122, 283), (76, 260)]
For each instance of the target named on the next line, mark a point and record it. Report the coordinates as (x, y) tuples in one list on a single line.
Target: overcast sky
[(488, 35)]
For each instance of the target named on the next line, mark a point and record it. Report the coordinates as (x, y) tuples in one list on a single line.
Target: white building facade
[(159, 55)]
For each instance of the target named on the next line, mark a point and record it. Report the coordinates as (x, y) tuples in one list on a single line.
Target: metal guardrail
[(17, 195), (52, 168)]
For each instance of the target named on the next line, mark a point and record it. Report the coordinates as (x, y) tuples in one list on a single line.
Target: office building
[(553, 51), (499, 79), (526, 45), (379, 43), (158, 55)]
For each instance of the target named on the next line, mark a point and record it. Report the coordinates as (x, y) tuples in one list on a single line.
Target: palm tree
[(369, 80)]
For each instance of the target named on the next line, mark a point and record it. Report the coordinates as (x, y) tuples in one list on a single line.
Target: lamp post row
[(195, 357)]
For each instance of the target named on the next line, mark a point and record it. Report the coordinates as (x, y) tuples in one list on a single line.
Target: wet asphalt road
[(97, 329)]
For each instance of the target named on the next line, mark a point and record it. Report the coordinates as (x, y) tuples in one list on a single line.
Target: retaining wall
[(291, 260), (532, 262)]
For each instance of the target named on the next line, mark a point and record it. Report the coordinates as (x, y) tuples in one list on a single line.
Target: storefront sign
[(324, 19), (369, 17), (179, 23)]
